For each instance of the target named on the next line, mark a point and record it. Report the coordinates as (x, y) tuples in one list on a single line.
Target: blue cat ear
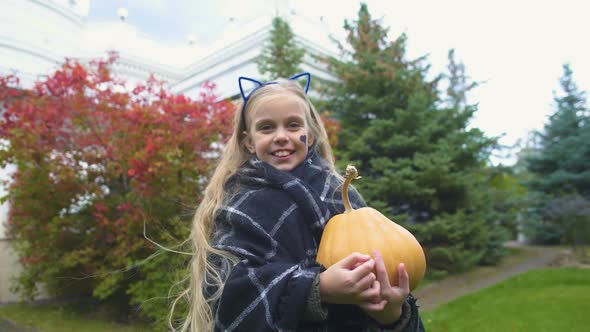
[(307, 75), (242, 78)]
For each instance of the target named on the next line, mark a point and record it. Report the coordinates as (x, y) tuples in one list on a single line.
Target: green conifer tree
[(562, 164), (417, 154), (561, 169), (281, 56), (420, 162)]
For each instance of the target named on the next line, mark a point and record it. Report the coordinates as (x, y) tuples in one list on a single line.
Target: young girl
[(256, 232)]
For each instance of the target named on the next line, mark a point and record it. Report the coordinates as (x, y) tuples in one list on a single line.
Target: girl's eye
[(294, 125), (265, 127)]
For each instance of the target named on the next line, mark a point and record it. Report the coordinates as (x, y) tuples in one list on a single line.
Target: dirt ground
[(527, 258)]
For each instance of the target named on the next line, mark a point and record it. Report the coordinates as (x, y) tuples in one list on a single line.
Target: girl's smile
[(283, 153)]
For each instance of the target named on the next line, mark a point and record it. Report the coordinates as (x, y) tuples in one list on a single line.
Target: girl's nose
[(280, 135)]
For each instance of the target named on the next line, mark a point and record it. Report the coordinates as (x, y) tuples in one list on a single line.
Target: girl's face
[(278, 133)]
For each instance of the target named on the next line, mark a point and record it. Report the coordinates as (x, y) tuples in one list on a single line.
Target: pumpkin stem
[(350, 174)]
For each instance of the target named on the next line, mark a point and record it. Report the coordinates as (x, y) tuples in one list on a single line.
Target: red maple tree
[(96, 160)]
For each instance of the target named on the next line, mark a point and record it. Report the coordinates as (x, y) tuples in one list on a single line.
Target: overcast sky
[(516, 47)]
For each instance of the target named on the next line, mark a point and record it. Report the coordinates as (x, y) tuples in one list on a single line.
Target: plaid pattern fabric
[(273, 223)]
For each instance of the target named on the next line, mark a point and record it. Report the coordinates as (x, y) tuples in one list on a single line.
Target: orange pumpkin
[(366, 229)]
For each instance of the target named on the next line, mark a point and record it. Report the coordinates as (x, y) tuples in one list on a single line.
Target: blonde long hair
[(204, 274)]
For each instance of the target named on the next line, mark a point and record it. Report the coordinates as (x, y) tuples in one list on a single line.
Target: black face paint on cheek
[(303, 139)]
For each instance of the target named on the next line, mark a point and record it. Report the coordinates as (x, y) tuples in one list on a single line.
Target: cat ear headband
[(259, 84)]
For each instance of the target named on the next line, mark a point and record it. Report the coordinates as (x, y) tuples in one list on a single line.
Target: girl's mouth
[(282, 153)]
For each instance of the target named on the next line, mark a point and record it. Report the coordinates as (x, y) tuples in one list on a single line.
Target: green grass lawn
[(61, 319), (536, 301)]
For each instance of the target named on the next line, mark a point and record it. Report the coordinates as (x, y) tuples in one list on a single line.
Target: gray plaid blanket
[(273, 223)]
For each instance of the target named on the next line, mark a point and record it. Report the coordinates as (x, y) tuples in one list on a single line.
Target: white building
[(37, 35)]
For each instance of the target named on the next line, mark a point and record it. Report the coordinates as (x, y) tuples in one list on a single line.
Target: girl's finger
[(366, 282), (372, 294), (381, 270), (363, 270), (404, 278), (352, 260), (374, 307)]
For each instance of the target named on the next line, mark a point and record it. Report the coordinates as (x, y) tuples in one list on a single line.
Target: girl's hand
[(388, 308), (349, 281)]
